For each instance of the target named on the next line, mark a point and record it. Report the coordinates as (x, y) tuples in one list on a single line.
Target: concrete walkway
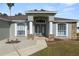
[(24, 48)]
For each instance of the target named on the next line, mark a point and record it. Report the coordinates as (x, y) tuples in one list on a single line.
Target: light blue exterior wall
[(8, 30), (13, 30), (4, 30)]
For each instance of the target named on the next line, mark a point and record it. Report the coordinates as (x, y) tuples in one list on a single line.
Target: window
[(77, 27), (61, 29), (20, 29), (40, 21)]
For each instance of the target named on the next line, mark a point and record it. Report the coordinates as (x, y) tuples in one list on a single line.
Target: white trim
[(19, 20), (50, 28), (67, 29), (30, 27), (56, 29), (25, 29), (15, 29), (51, 18)]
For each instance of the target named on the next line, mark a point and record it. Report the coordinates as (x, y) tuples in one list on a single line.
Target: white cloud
[(66, 12), (68, 4), (68, 9), (48, 7)]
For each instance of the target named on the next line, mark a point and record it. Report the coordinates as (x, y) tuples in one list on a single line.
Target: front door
[(40, 29)]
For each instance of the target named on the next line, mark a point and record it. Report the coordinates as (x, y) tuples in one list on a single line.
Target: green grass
[(60, 48)]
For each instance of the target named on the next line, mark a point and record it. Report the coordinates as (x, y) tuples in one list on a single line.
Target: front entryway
[(40, 29), (40, 25)]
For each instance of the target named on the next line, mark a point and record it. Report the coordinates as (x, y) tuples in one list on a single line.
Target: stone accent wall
[(74, 31), (77, 35), (30, 36), (51, 36)]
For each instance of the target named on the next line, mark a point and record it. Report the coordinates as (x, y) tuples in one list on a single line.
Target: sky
[(64, 10)]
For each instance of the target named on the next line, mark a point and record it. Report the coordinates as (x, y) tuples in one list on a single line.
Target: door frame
[(40, 32)]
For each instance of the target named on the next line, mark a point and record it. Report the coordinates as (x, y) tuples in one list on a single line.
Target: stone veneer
[(30, 36), (50, 36), (74, 31)]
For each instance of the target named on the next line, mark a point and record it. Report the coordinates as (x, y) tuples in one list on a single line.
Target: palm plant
[(10, 6)]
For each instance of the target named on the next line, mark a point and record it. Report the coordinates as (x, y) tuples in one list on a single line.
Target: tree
[(0, 14), (16, 15), (10, 6), (19, 14), (4, 14)]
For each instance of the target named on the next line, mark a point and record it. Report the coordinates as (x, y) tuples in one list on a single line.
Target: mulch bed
[(61, 40), (11, 42)]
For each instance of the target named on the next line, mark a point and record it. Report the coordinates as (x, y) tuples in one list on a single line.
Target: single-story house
[(37, 23), (78, 26)]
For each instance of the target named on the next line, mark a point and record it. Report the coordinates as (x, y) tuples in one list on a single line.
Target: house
[(77, 26), (41, 23)]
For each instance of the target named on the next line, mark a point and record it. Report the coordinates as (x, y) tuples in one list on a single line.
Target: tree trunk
[(10, 11), (9, 19)]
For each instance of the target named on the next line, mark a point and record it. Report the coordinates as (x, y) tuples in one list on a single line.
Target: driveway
[(6, 48), (23, 48), (11, 49)]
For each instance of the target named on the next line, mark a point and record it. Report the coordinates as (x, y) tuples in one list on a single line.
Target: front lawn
[(60, 48)]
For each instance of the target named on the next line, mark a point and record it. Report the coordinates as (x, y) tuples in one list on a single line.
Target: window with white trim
[(20, 29), (61, 29)]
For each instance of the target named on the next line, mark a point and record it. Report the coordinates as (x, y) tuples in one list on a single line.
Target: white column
[(67, 29), (50, 28), (30, 27), (15, 29), (25, 29)]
